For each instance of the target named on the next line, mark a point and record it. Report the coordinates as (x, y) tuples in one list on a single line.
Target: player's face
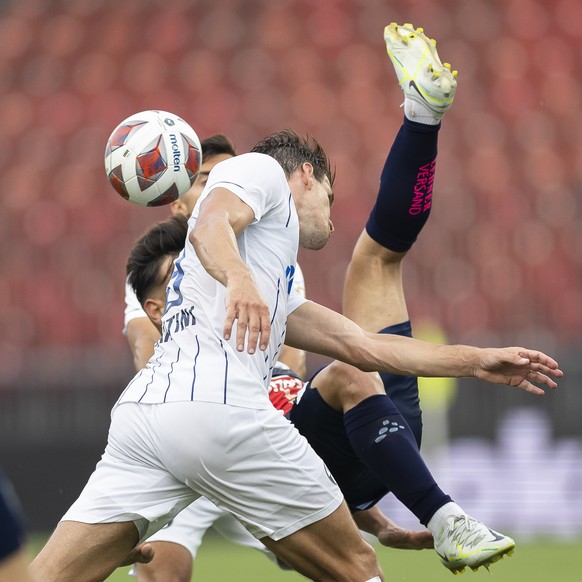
[(191, 197), (314, 213)]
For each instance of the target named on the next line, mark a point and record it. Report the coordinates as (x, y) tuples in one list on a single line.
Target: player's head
[(150, 263), (310, 178), (215, 148)]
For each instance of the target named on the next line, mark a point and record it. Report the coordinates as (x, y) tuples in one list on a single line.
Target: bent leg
[(373, 293), (82, 552), (377, 434), (329, 550), (172, 563)]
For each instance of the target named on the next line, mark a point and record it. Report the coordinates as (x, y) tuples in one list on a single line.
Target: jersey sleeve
[(299, 281), (295, 301), (133, 308), (257, 179)]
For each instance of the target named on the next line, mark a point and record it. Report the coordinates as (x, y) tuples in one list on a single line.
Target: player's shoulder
[(250, 163), (258, 179)]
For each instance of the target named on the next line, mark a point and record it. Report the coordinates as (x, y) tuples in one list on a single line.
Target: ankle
[(421, 113), (438, 520)]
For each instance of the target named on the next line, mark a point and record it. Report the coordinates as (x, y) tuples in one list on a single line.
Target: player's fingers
[(393, 536), (540, 378), (142, 554), (241, 329), (265, 328), (537, 357), (533, 380), (545, 369), (531, 388), (254, 329), (231, 314)]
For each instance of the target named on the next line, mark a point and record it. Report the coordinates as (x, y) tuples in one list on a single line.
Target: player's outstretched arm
[(317, 329)]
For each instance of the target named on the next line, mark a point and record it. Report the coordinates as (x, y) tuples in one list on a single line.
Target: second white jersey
[(192, 360)]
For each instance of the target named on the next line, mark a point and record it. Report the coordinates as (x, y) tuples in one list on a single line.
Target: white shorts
[(253, 463), (189, 526)]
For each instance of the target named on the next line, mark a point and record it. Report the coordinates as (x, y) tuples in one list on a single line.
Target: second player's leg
[(81, 552), (373, 293), (171, 561), (329, 550)]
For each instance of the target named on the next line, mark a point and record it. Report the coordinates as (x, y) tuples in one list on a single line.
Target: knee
[(171, 563), (343, 386), (366, 563), (370, 253)]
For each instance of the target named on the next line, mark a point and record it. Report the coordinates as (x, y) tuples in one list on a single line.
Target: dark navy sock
[(403, 390), (381, 438), (405, 195)]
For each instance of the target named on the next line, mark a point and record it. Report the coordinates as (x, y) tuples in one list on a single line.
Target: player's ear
[(179, 207), (154, 309), (307, 174), (307, 169)]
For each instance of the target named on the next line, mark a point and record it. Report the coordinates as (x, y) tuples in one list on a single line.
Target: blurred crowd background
[(500, 262)]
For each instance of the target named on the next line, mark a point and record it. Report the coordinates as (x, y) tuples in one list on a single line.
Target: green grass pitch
[(542, 561)]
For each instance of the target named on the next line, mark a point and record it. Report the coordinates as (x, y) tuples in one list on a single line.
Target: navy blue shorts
[(11, 523), (324, 428)]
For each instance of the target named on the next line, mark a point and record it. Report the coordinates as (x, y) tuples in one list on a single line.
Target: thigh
[(252, 463), (329, 549), (79, 552)]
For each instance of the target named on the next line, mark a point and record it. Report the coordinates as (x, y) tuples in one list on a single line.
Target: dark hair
[(215, 145), (149, 252), (291, 151)]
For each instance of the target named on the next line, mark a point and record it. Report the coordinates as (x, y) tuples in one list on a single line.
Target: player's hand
[(518, 367), (245, 305), (393, 536), (142, 554)]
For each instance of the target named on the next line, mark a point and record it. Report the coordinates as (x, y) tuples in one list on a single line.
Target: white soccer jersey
[(192, 360), (299, 281)]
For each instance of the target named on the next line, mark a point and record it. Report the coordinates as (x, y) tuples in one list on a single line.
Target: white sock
[(374, 579), (437, 521), (420, 113)]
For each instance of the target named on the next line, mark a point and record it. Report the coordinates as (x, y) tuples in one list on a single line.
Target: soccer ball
[(152, 158)]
